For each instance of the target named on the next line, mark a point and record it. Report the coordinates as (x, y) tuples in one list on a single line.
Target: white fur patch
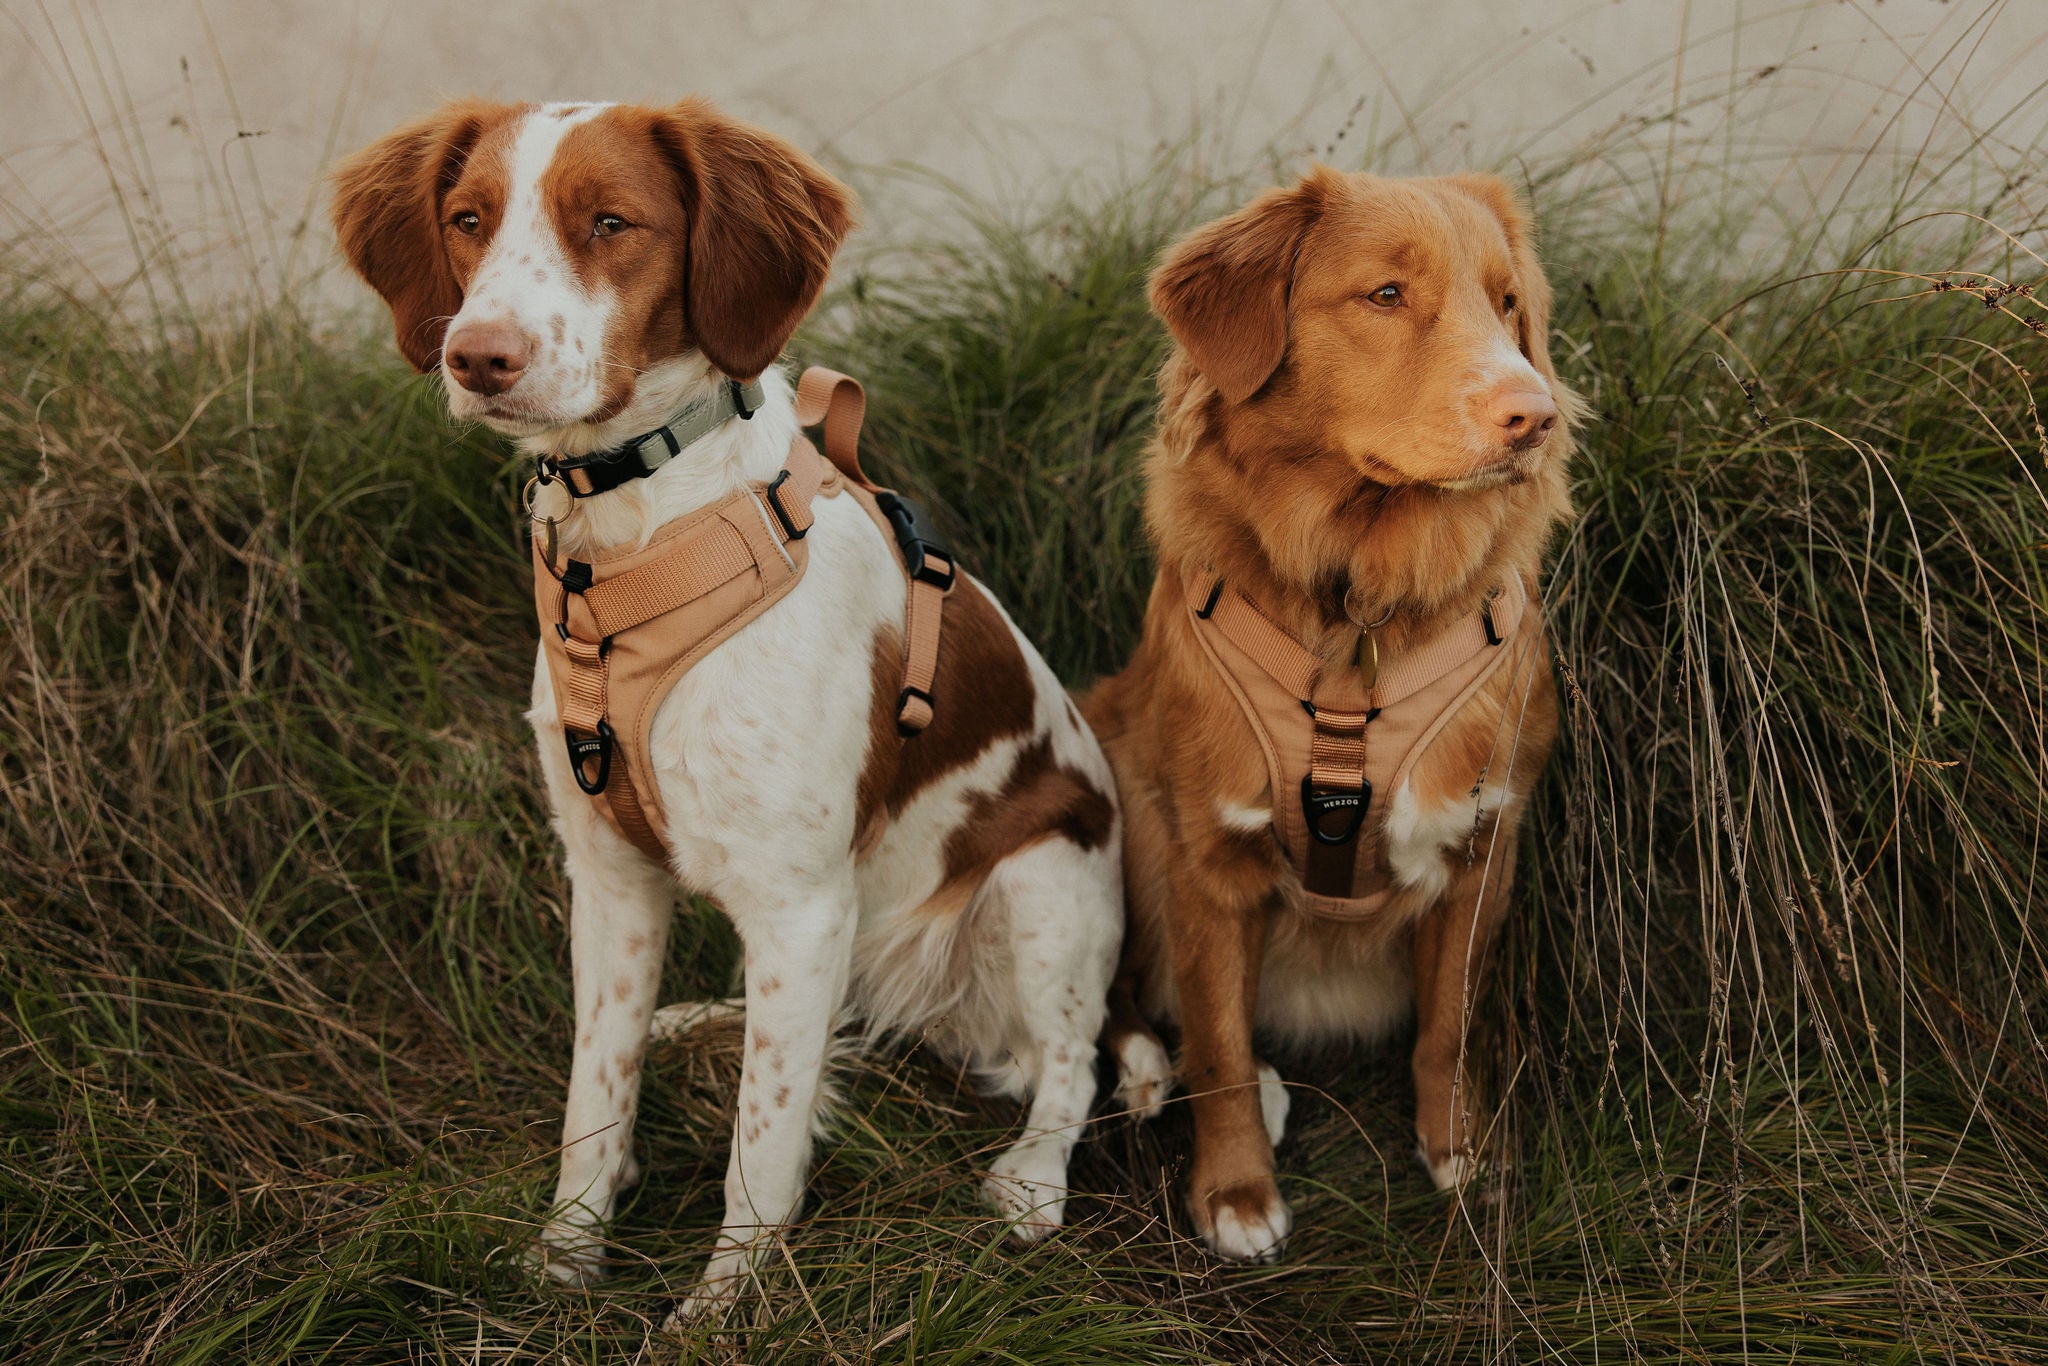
[(1420, 842), (1236, 816)]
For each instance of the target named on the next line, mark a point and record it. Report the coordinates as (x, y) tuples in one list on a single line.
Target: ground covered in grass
[(281, 940)]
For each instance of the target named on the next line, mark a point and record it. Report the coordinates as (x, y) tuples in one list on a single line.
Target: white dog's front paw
[(567, 1255), (723, 1279), (1028, 1186), (1144, 1074)]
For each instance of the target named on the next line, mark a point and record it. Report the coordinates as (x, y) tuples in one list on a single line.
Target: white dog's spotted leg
[(797, 964), (1050, 896), (620, 906)]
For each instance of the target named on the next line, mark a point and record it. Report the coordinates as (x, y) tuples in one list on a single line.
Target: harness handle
[(840, 403)]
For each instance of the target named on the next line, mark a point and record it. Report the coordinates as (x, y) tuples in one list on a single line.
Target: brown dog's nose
[(1524, 416), (486, 358)]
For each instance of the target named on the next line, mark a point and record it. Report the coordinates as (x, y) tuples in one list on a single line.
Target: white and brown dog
[(579, 274)]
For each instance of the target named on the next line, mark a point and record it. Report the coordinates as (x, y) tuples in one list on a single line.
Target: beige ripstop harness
[(1334, 736), (620, 630)]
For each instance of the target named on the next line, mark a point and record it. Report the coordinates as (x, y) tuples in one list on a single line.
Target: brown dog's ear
[(765, 221), (387, 215), (1222, 289), (1532, 319)]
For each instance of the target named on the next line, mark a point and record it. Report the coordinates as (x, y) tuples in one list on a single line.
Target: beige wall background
[(195, 131)]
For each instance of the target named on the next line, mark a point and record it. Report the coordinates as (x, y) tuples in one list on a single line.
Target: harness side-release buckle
[(1334, 816), (583, 749), (926, 558)]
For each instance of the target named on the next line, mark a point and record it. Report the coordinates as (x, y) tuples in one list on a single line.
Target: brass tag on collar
[(547, 544), (1369, 658)]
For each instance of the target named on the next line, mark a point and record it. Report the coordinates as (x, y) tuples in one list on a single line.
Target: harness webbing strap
[(841, 404), (838, 401)]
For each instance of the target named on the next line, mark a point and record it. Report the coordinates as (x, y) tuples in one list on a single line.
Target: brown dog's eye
[(609, 223), (466, 223), (1386, 296), (1507, 305)]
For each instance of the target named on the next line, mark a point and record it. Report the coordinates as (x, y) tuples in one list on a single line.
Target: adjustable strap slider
[(1493, 635), (914, 711), (746, 399), (790, 530)]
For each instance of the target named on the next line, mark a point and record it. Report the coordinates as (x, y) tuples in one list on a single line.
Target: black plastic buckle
[(918, 540), (1493, 635), (739, 401), (907, 731), (582, 750), (1208, 609), (1350, 804), (789, 531)]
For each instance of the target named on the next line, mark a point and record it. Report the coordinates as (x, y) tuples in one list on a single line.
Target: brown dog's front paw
[(1244, 1222)]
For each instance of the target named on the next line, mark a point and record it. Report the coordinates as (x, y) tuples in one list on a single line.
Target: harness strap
[(838, 401)]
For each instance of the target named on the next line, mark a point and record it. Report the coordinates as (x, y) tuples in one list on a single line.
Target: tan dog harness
[(619, 631), (1333, 737)]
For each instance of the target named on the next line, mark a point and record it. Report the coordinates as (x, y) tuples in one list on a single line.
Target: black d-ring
[(1347, 804), (585, 748)]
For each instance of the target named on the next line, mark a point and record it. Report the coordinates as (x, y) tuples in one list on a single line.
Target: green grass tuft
[(280, 915)]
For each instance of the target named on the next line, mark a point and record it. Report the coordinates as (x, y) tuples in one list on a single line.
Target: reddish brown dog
[(1342, 699)]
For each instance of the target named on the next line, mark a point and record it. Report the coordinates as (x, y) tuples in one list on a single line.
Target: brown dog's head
[(563, 263), (1402, 324)]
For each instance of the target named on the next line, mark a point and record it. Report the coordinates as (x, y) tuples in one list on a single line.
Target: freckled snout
[(486, 358), (1523, 416)]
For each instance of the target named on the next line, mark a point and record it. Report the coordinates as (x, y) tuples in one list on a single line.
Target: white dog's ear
[(765, 222), (387, 215), (1222, 290)]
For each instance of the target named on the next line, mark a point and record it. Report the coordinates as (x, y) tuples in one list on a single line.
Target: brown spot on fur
[(770, 985), (782, 1097), (636, 944), (1040, 799), (622, 987), (982, 692)]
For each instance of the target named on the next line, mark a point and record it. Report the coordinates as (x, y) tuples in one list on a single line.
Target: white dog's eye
[(1386, 296), (609, 223), (467, 223)]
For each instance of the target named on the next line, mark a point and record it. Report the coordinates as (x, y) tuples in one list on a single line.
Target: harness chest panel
[(620, 631), (1337, 748)]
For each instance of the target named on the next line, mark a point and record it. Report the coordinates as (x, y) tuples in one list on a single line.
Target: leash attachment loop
[(582, 749), (1334, 815)]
